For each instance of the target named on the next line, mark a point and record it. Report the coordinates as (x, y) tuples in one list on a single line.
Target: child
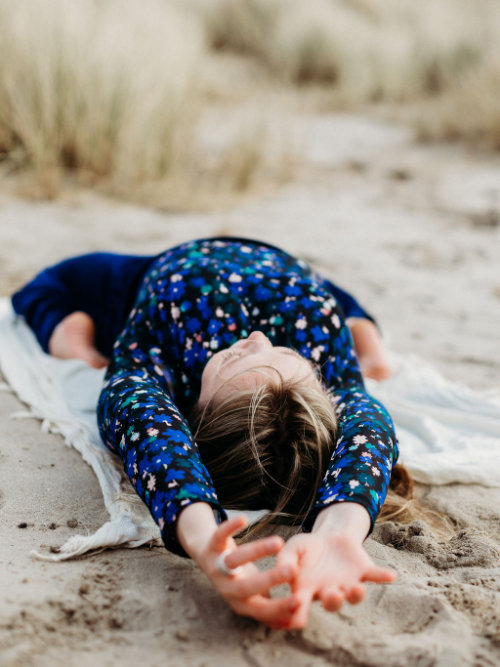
[(233, 383)]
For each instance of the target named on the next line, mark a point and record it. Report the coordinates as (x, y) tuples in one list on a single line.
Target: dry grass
[(104, 88), (397, 49), (112, 91), (469, 110), (366, 51)]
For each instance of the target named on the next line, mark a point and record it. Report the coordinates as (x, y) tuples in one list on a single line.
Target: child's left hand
[(331, 568)]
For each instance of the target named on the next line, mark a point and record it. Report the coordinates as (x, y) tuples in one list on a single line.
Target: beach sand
[(414, 232)]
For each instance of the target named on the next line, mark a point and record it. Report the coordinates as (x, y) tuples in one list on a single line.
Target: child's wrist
[(346, 518), (195, 527)]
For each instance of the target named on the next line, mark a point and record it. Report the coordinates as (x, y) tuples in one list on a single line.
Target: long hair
[(269, 448)]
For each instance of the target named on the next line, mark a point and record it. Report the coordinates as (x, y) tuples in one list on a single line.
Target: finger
[(262, 582), (226, 530), (356, 594), (288, 557), (254, 551), (332, 599), (379, 575), (301, 616), (276, 613)]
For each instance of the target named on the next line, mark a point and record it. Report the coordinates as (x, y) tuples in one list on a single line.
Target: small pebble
[(23, 524), (72, 523), (182, 634), (84, 589), (52, 526)]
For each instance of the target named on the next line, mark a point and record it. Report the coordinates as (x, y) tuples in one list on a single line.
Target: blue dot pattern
[(202, 297)]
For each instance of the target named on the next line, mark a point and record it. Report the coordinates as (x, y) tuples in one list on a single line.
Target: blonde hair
[(267, 448)]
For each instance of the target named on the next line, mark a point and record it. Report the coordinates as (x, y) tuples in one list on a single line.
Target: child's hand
[(331, 568), (247, 591)]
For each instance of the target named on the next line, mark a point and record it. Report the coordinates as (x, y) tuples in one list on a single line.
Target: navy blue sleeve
[(43, 303), (366, 445), (350, 306), (103, 285)]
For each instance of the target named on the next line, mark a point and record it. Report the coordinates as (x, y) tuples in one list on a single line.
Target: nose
[(259, 339)]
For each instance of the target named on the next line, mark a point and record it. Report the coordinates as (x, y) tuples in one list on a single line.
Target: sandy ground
[(414, 232)]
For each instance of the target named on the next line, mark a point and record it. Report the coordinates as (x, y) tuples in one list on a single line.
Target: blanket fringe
[(119, 532)]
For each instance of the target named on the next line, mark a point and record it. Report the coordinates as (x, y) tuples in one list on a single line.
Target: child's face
[(249, 363)]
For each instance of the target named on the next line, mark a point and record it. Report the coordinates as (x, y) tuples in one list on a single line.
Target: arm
[(53, 305), (101, 286), (44, 302), (140, 422), (365, 452), (331, 560), (366, 446)]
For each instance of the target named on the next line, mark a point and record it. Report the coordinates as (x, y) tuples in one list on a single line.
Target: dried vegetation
[(112, 93)]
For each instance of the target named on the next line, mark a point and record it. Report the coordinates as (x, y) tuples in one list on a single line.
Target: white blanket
[(447, 432)]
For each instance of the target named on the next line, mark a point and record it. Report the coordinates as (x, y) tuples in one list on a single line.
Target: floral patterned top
[(196, 299)]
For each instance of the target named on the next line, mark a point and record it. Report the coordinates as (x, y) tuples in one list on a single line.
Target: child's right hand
[(247, 591)]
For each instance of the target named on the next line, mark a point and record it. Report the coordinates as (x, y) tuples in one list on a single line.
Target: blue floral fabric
[(201, 297)]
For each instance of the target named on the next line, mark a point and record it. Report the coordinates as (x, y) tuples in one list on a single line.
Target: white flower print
[(316, 352)]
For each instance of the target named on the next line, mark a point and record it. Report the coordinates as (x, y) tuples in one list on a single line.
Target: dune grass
[(112, 91), (468, 111), (104, 88), (394, 49), (367, 51)]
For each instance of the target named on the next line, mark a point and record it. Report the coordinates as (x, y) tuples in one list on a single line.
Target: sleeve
[(139, 420), (366, 447), (44, 302)]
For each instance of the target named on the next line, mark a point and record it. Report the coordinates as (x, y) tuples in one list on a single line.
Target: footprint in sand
[(465, 549)]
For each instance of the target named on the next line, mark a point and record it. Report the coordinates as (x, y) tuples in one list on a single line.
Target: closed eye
[(230, 354)]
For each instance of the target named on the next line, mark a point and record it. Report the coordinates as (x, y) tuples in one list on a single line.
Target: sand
[(414, 232)]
